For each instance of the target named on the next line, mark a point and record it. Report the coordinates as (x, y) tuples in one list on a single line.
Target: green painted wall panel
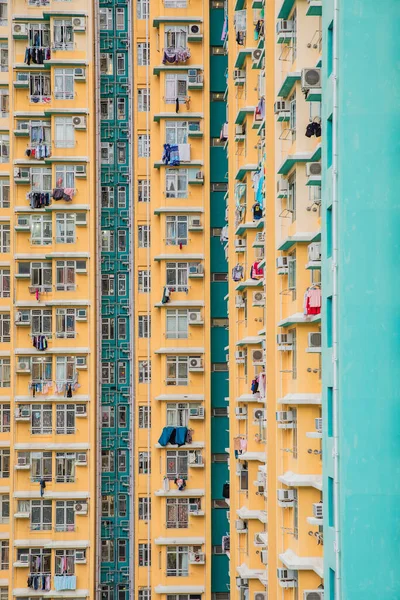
[(218, 304), (218, 205), (219, 339), (220, 163), (219, 433), (219, 388), (216, 24), (218, 260), (218, 116)]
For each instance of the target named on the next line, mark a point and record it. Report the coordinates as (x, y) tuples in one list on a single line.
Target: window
[(4, 418), (42, 419), (144, 555), (122, 416), (292, 272), (143, 145), (220, 322), (41, 275), (4, 555), (4, 193), (176, 87), (122, 505), (107, 550), (63, 34), (41, 230), (144, 463), (177, 463), (144, 281), (65, 467), (144, 417), (106, 18), (107, 372), (40, 133), (107, 153), (177, 561), (293, 119), (65, 515), (143, 100), (218, 367), (107, 241), (4, 463), (178, 414), (122, 328), (41, 180), (217, 50), (64, 83), (4, 283), (42, 369), (176, 183), (121, 109), (219, 277), (176, 36), (64, 132), (144, 371), (41, 321), (121, 63), (106, 64), (219, 187), (4, 106), (65, 322), (144, 326), (107, 461), (41, 515), (294, 35), (65, 562), (65, 275), (144, 510), (120, 19), (65, 419), (108, 328), (107, 506), (122, 550), (108, 416), (144, 236), (39, 87), (143, 54), (219, 457), (65, 369), (177, 513), (176, 230), (294, 352), (144, 594), (143, 190), (108, 285), (65, 228), (142, 9), (217, 97), (177, 275), (177, 324), (177, 370), (122, 240), (4, 372), (220, 411), (4, 510), (3, 18), (107, 197), (175, 3), (4, 148), (107, 109), (43, 565), (176, 132), (3, 57), (4, 327)]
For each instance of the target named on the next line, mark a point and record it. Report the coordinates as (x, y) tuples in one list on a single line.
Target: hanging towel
[(181, 433), (184, 152), (165, 436)]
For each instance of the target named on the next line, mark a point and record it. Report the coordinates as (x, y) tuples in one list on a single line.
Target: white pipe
[(335, 408)]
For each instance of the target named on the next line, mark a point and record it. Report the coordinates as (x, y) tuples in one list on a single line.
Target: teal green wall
[(368, 241)]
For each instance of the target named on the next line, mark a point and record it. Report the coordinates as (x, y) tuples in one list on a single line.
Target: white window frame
[(41, 321), (65, 275), (65, 520), (4, 148), (177, 414), (5, 417), (177, 275), (107, 372), (144, 419), (4, 193), (176, 230), (144, 281), (65, 228), (4, 57), (5, 327), (5, 463), (63, 34), (64, 132), (4, 238), (176, 324), (176, 183), (144, 326), (142, 9), (143, 190), (180, 556), (64, 84), (179, 507), (143, 54), (176, 86), (65, 419), (42, 419), (41, 180), (66, 372), (143, 142), (144, 371), (105, 18), (4, 284), (4, 510), (41, 230), (107, 153), (143, 99), (176, 36), (177, 370), (176, 132), (143, 236), (41, 517), (4, 104)]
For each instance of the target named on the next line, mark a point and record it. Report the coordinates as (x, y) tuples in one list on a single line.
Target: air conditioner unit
[(264, 557), (81, 508), (194, 316), (241, 411), (256, 54), (80, 410), (240, 130), (81, 362), (258, 299), (199, 175), (314, 339), (24, 558), (240, 525), (81, 314), (81, 458), (286, 574), (80, 556), (284, 416), (260, 595), (284, 339), (286, 495), (313, 169), (240, 243), (24, 365), (196, 269), (313, 595), (239, 301), (22, 461), (80, 74), (239, 74), (310, 78), (194, 223), (258, 357), (314, 251), (20, 29), (282, 262), (79, 122), (193, 508), (196, 411), (318, 424), (240, 356), (194, 29), (195, 363), (24, 412), (192, 75), (259, 414), (317, 509), (80, 170), (78, 23), (23, 126), (282, 187), (284, 26), (281, 106)]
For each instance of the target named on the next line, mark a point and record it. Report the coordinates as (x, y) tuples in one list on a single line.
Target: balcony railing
[(175, 55)]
